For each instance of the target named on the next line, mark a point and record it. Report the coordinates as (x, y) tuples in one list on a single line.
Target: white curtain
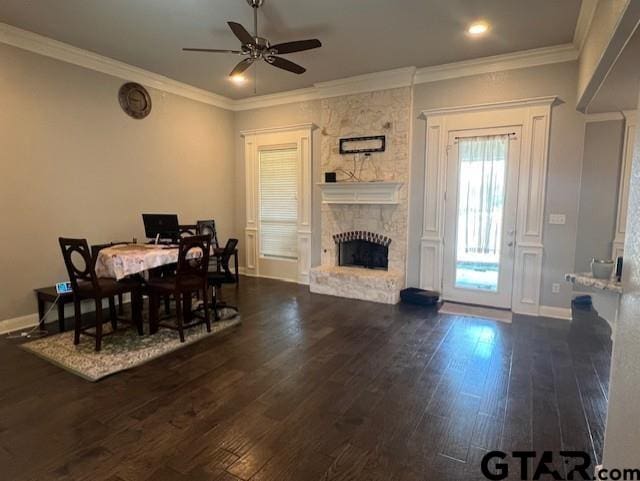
[(481, 195)]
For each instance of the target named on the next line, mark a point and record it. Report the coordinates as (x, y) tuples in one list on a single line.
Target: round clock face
[(135, 100)]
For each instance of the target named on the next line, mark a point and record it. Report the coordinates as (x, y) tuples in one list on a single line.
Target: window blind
[(279, 203)]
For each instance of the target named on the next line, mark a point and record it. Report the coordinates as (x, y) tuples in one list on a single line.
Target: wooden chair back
[(194, 266), (225, 257), (80, 268), (187, 230), (208, 227)]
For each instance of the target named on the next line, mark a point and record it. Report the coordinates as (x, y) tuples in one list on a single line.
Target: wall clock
[(135, 100)]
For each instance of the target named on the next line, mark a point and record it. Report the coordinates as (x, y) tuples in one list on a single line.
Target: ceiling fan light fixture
[(478, 28), (238, 79)]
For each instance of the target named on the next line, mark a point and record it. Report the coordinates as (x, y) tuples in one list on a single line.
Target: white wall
[(599, 192), (565, 157), (72, 163)]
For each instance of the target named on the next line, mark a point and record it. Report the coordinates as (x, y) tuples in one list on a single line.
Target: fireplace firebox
[(362, 249)]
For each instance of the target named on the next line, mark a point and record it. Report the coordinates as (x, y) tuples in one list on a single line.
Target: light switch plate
[(557, 219)]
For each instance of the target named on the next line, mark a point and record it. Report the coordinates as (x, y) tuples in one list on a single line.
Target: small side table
[(49, 295)]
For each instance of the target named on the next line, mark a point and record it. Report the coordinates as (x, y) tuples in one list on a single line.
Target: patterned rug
[(120, 351)]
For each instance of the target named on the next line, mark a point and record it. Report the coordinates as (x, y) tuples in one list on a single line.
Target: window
[(279, 203)]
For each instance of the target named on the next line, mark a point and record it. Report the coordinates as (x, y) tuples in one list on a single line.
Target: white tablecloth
[(121, 261)]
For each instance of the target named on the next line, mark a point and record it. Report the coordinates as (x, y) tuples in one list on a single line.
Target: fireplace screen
[(363, 249)]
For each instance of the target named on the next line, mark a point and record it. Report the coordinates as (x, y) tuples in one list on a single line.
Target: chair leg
[(112, 312), (207, 319), (216, 314), (136, 310), (153, 313), (120, 305), (179, 315), (167, 305), (77, 316), (99, 322)]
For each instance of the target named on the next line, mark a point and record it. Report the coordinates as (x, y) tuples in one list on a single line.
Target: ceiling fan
[(256, 48)]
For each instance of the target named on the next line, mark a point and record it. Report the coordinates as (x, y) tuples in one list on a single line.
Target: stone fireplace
[(364, 224)]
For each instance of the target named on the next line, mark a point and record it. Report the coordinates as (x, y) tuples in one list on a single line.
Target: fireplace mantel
[(360, 192)]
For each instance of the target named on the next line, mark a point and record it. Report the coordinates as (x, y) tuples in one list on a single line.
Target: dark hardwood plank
[(314, 387)]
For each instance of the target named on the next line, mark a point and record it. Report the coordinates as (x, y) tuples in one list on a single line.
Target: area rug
[(455, 309), (122, 350)]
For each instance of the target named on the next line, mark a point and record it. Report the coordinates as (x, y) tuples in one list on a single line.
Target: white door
[(481, 202)]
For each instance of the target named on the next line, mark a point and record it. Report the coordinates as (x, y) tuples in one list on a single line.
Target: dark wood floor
[(313, 387)]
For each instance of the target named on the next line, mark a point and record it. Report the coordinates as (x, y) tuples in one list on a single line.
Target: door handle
[(510, 243)]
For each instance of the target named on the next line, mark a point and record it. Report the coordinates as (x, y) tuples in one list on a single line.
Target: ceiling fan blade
[(285, 64), (214, 50), (242, 66), (297, 46), (245, 37)]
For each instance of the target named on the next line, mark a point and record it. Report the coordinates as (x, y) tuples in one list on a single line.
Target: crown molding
[(396, 78), (528, 102), (273, 130), (630, 116), (497, 63), (603, 117), (585, 17), (67, 53)]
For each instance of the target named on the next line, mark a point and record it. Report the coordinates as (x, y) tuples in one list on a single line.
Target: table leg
[(60, 315)]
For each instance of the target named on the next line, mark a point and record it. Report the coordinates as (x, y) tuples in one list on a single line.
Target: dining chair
[(187, 230), (208, 227), (190, 277), (87, 285), (222, 275), (95, 250)]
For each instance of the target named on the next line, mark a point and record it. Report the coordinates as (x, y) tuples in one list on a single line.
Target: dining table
[(123, 260)]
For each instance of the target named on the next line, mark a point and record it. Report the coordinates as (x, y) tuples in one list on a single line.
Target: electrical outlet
[(555, 288), (557, 219)]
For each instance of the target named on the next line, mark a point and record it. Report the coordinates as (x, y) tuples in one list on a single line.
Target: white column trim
[(302, 136), (548, 100), (630, 117)]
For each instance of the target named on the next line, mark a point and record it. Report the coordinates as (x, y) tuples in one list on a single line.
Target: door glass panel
[(481, 198)]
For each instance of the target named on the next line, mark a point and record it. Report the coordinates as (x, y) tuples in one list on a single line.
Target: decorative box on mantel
[(360, 192)]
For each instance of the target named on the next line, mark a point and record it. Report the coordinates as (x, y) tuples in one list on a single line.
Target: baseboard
[(19, 323), (244, 272), (31, 320), (556, 312)]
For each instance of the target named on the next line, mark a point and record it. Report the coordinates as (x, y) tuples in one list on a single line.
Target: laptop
[(161, 227)]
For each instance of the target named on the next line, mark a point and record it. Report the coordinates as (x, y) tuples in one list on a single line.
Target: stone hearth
[(357, 283)]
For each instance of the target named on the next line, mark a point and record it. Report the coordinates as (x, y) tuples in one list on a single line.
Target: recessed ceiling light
[(238, 79), (477, 28)]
